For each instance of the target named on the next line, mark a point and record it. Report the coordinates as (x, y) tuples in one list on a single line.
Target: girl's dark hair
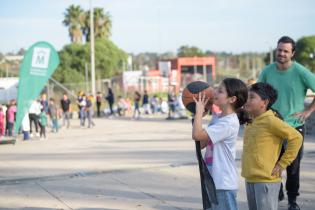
[(236, 87), (266, 92)]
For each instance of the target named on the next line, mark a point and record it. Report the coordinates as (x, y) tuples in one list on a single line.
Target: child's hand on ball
[(201, 103)]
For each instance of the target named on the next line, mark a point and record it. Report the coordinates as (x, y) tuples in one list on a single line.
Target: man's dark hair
[(286, 39)]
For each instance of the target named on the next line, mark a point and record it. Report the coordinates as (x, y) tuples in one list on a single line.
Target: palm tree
[(102, 24), (74, 19)]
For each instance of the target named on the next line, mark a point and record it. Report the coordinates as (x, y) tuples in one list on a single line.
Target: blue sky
[(164, 25)]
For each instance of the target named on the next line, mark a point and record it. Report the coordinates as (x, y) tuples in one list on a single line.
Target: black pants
[(293, 172), (33, 118), (98, 106), (42, 131), (111, 108)]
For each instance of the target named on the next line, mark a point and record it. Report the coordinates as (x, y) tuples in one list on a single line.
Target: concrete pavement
[(119, 164)]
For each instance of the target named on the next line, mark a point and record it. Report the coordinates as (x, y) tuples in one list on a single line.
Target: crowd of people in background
[(143, 104), (52, 114)]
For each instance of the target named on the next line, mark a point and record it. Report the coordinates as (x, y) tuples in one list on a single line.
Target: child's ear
[(233, 99), (266, 102)]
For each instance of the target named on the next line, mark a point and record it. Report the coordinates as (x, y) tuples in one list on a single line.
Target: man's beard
[(279, 60)]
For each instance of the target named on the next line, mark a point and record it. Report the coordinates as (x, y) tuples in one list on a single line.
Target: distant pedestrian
[(90, 111), (34, 112), (44, 102), (11, 112), (65, 106), (171, 99), (145, 102), (98, 103), (53, 113), (110, 99), (136, 111), (43, 124), (81, 102), (2, 121)]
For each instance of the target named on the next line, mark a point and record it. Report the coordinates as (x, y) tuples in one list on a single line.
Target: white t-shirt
[(223, 132), (35, 108)]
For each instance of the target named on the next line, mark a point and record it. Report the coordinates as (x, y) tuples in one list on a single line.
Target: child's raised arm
[(198, 133)]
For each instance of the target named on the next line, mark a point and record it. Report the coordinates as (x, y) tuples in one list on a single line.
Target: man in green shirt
[(291, 80)]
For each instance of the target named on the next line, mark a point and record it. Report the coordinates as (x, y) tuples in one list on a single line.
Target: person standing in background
[(291, 80), (42, 124), (137, 98), (53, 113), (34, 112), (2, 121), (90, 111), (98, 103), (65, 106), (110, 99)]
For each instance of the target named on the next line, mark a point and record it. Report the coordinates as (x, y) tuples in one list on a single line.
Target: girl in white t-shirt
[(220, 137)]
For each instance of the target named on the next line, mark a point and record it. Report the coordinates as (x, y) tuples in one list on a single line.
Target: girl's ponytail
[(243, 116)]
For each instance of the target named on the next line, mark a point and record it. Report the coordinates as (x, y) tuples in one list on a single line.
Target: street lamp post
[(92, 48)]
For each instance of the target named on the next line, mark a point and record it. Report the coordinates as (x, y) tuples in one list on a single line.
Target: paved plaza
[(119, 164)]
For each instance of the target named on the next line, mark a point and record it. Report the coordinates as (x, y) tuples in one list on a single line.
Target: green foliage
[(74, 20), (109, 60), (102, 24), (78, 22), (305, 52), (187, 51)]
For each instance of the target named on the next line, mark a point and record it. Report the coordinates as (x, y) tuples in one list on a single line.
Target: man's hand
[(302, 116)]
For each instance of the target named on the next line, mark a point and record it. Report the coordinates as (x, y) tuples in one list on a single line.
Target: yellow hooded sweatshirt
[(263, 139)]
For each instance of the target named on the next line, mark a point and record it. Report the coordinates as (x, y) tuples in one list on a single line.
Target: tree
[(102, 24), (74, 20), (109, 60), (305, 52), (187, 51)]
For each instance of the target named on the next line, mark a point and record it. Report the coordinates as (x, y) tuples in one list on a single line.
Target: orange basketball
[(192, 90)]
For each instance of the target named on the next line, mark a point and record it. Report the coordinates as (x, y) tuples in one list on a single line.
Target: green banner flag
[(39, 63)]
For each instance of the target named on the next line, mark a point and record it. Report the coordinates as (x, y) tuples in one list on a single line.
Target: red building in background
[(175, 73), (187, 69)]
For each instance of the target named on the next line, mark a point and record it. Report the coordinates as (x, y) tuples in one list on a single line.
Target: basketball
[(192, 90)]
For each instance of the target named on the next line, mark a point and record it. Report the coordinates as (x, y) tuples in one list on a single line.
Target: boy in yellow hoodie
[(263, 138)]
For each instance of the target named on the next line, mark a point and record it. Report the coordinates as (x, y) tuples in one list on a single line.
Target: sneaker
[(293, 206), (37, 134)]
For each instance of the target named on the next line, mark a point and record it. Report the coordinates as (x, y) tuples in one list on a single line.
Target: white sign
[(40, 57), (165, 67)]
